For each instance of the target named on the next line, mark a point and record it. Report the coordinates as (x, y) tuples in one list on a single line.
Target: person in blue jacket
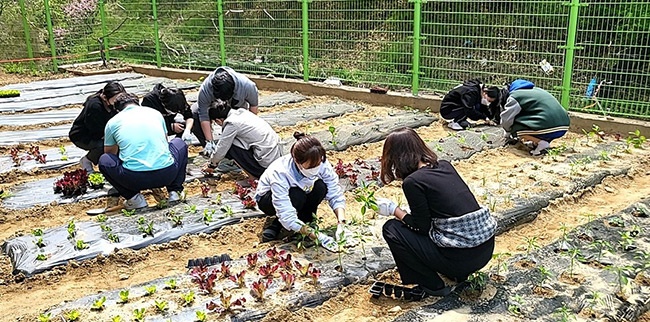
[(534, 115)]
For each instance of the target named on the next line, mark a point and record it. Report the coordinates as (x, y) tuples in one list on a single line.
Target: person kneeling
[(446, 231), (294, 185), (245, 138), (137, 155)]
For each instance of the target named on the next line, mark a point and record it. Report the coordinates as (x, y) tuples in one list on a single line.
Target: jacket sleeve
[(470, 98), (93, 121), (510, 111), (228, 135), (252, 95), (419, 220), (206, 97)]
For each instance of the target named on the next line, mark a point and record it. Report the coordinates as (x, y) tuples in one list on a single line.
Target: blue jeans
[(129, 183)]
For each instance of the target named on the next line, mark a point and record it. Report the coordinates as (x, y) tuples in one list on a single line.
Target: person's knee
[(320, 187), (390, 228), (106, 161)]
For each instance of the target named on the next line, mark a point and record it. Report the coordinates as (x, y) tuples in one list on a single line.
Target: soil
[(25, 297)]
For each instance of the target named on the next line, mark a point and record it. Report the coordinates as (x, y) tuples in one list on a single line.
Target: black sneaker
[(464, 124), (271, 232), (439, 292)]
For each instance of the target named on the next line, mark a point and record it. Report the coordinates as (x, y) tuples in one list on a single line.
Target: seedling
[(116, 318), (161, 306), (565, 232), (190, 209), (128, 213), (334, 134), (314, 274), (477, 281), (340, 243), (267, 270), (37, 232), (98, 304), (5, 194), (288, 280), (531, 244), (438, 147), (171, 284), (124, 296), (146, 228), (41, 257), (227, 210), (177, 220), (113, 238), (627, 241), (150, 290), (362, 240), (595, 299), (249, 202), (225, 269), (274, 255), (635, 139), (217, 200), (366, 196), (645, 259), (565, 314), (162, 204), (573, 254), (544, 275), (252, 260), (285, 262), (516, 303), (207, 216), (80, 245), (201, 316), (205, 189), (501, 265), (484, 137), (72, 315), (72, 230), (604, 156), (616, 222), (635, 230), (39, 242), (105, 228), (72, 184), (303, 269), (138, 314), (101, 218), (621, 275), (44, 317), (188, 298), (239, 278), (205, 278), (63, 152), (462, 140), (96, 180), (258, 289)]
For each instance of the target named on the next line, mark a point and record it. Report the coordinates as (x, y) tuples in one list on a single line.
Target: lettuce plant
[(288, 280), (274, 255), (150, 290), (80, 245), (171, 284), (72, 315), (73, 183), (267, 270), (204, 277), (285, 262), (227, 304), (98, 304), (39, 242), (45, 317), (138, 315), (41, 257), (96, 180), (258, 289), (239, 278), (124, 296), (225, 269), (314, 274), (37, 232), (188, 298), (249, 202), (161, 306), (252, 260), (205, 190), (303, 269)]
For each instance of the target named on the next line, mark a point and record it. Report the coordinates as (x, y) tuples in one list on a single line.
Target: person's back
[(539, 110), (255, 132), (140, 134)]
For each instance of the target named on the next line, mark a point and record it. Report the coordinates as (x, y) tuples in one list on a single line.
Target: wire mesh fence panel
[(130, 24), (76, 26), (363, 43), (612, 69), (264, 37), (14, 45), (189, 33), (496, 41)]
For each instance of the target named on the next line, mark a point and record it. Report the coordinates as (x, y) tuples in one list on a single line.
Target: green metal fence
[(594, 57)]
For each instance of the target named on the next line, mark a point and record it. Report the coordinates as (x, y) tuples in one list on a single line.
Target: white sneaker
[(136, 202), (174, 196), (454, 126), (541, 146), (87, 165)]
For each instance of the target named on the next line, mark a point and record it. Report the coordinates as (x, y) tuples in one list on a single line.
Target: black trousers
[(196, 129), (95, 149), (453, 112), (306, 204), (246, 160), (419, 259)]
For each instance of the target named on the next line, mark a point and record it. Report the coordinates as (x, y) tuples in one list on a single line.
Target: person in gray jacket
[(245, 138), (229, 86)]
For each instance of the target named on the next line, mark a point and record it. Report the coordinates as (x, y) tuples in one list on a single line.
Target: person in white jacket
[(294, 185), (245, 138)]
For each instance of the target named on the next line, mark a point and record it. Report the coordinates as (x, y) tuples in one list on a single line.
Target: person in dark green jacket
[(532, 114)]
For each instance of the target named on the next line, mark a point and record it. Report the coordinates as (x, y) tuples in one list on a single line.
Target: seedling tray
[(208, 261), (397, 292)]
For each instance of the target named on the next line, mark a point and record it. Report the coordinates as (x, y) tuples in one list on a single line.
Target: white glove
[(328, 243), (341, 232), (210, 147), (187, 137), (386, 207)]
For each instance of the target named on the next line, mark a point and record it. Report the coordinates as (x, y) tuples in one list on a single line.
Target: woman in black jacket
[(472, 100), (446, 231), (169, 102), (87, 131)]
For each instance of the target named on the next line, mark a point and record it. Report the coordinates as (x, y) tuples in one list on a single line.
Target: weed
[(98, 304)]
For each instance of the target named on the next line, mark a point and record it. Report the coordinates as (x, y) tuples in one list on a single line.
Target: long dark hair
[(173, 99), (403, 151), (109, 91), (307, 149)]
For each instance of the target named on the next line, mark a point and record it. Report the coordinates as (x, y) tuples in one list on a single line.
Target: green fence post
[(102, 12), (415, 86), (222, 36), (28, 36), (570, 48), (305, 39), (48, 17), (155, 29)]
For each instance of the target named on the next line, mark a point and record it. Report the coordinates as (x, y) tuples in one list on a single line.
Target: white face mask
[(484, 101), (310, 173)]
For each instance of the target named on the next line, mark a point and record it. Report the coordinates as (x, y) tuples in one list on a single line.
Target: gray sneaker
[(136, 202)]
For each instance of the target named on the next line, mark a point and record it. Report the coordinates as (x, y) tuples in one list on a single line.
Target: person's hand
[(187, 137), (490, 122), (341, 232), (386, 207), (209, 148), (327, 242), (178, 127)]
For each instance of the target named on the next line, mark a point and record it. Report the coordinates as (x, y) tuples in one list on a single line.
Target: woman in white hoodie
[(294, 185)]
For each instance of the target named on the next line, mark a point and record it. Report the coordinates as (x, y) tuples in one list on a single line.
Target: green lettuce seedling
[(124, 296), (72, 315), (45, 317), (138, 314), (80, 245), (98, 305), (41, 257), (37, 232), (151, 289), (161, 306), (188, 298), (201, 316)]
